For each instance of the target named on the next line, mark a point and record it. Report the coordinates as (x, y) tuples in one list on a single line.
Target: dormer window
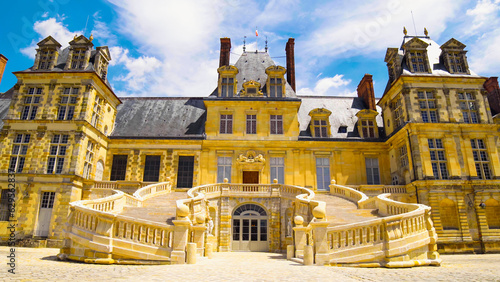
[(47, 53), (275, 81), (251, 89), (418, 62), (453, 57), (367, 124), (320, 123), (78, 59), (415, 52), (227, 81), (101, 61), (46, 59)]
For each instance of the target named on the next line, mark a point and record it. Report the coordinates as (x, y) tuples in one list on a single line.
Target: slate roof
[(252, 66), (157, 117), (344, 110)]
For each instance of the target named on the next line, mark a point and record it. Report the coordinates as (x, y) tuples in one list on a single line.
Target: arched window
[(249, 207), (449, 214), (493, 213), (99, 168)]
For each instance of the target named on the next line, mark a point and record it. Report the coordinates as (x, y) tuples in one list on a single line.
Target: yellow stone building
[(431, 139)]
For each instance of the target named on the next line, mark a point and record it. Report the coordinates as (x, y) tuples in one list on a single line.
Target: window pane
[(119, 167), (185, 172)]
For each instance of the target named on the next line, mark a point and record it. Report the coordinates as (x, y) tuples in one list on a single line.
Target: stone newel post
[(182, 225), (300, 236)]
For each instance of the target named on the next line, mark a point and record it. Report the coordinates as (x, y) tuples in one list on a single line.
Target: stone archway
[(250, 231)]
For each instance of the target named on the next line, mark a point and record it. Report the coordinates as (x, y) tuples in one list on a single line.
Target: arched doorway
[(250, 230)]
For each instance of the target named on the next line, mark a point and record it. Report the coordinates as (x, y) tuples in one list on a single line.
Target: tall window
[(89, 160), (276, 124), (456, 63), (276, 87), (372, 172), (417, 59), (152, 169), (31, 101), (4, 205), (278, 170), (403, 156), (320, 127), (251, 124), (468, 107), (438, 158), (19, 149), (78, 59), (57, 153), (323, 173), (185, 172), (398, 113), (224, 169), (46, 59), (119, 167), (96, 112), (226, 124), (368, 127), (427, 103), (67, 104), (227, 85), (481, 160)]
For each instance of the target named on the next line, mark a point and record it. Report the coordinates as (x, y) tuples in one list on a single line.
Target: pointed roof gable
[(453, 44), (49, 41), (391, 52), (104, 51), (80, 40), (415, 43)]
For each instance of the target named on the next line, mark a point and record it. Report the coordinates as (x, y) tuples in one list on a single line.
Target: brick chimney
[(366, 92), (290, 62), (225, 49), (491, 86), (3, 62)]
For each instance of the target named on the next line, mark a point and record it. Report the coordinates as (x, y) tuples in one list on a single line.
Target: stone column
[(320, 236)]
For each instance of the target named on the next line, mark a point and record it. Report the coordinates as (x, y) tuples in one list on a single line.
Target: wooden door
[(250, 177)]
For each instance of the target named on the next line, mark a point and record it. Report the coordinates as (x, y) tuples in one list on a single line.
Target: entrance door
[(250, 177), (45, 214), (250, 229)]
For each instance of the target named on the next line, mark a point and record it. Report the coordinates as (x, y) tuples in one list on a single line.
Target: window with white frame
[(89, 160), (96, 112), (278, 170), (427, 103), (323, 173), (68, 103), (276, 87), (276, 124), (224, 169), (481, 159), (18, 155), (31, 103), (438, 158), (57, 153), (468, 107), (226, 124), (368, 128), (403, 156), (372, 171), (251, 124), (227, 87)]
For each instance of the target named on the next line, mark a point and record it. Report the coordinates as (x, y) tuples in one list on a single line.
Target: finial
[(244, 43), (75, 37), (426, 32), (404, 30), (266, 44), (91, 37)]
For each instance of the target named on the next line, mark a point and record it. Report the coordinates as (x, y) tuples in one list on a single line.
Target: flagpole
[(256, 40)]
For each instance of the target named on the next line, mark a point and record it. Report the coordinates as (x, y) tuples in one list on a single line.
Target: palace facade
[(433, 139)]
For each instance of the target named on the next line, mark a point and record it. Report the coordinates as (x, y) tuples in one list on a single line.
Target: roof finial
[(405, 31), (266, 44), (426, 32), (91, 37), (75, 36), (244, 43)]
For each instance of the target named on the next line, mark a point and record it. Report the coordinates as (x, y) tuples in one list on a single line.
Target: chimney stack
[(366, 92), (491, 86), (290, 62), (225, 49), (3, 62)]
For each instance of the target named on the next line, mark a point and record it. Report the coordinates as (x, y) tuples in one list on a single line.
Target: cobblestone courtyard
[(42, 265)]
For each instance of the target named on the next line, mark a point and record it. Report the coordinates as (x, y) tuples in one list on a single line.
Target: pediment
[(320, 112), (81, 40), (453, 44), (49, 41), (105, 52), (415, 43), (275, 69), (389, 55)]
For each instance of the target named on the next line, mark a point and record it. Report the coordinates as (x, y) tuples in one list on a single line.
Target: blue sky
[(171, 48)]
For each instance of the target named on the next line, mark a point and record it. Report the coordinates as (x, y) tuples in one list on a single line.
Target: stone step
[(340, 211), (159, 209)]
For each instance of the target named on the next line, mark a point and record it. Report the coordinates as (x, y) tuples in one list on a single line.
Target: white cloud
[(101, 32), (485, 58), (329, 86), (50, 27), (483, 13)]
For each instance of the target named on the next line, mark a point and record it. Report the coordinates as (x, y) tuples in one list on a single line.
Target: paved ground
[(41, 265)]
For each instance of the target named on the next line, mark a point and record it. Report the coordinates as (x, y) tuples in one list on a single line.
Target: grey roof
[(344, 110), (252, 66), (5, 100), (160, 117)]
